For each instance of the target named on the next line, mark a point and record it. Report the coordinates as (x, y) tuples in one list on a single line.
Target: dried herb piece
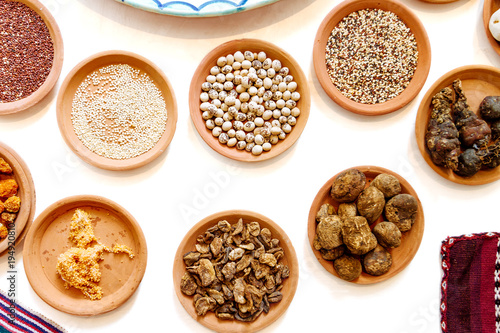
[(378, 261), (347, 209), (324, 211), (489, 109), (469, 163), (387, 184), (371, 203), (388, 234), (402, 211), (347, 267), (357, 235), (348, 185), (329, 232)]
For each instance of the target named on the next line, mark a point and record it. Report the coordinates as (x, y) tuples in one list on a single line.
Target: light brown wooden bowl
[(48, 238), (424, 59), (489, 7), (478, 81), (26, 192), (273, 52), (439, 1), (289, 284), (401, 256), (46, 87), (67, 93)]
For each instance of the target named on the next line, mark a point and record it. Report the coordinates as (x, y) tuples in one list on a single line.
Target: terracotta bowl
[(289, 285), (489, 7), (478, 81), (46, 87), (401, 256), (424, 61), (439, 1), (67, 93), (26, 192), (273, 52), (48, 238)]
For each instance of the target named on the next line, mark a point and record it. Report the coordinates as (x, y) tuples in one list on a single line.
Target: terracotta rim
[(35, 270), (423, 66), (50, 81), (26, 192), (289, 284), (68, 89), (410, 242), (272, 51), (489, 7), (423, 113)]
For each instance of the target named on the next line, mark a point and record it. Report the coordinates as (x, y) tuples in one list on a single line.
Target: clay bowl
[(489, 7), (67, 93), (439, 1), (410, 241), (46, 87), (289, 285), (48, 238), (26, 192), (273, 52), (478, 81), (411, 20)]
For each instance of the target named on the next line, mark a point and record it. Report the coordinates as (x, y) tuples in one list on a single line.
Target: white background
[(180, 188)]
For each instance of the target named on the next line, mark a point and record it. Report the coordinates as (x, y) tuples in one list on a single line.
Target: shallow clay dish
[(289, 284), (273, 52), (26, 192), (478, 81), (48, 238), (424, 58), (489, 7), (46, 87), (67, 93), (410, 241)]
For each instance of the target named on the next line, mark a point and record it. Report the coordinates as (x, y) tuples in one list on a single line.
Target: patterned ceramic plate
[(197, 8)]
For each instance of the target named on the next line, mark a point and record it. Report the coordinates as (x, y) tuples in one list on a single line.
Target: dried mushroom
[(357, 235), (387, 184), (371, 203), (347, 267), (235, 272), (388, 234), (348, 185), (329, 232), (378, 261), (402, 211)]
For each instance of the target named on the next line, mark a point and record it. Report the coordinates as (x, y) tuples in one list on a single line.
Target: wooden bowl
[(273, 52), (410, 241), (26, 192), (67, 93), (478, 81), (289, 284), (46, 87), (424, 59), (489, 7), (439, 1), (48, 238)]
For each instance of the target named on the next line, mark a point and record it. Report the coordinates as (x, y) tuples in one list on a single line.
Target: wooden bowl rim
[(55, 71), (416, 231), (84, 68), (423, 66), (488, 10), (233, 326), (202, 71)]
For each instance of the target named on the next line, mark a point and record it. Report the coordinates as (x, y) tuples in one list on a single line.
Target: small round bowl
[(410, 241), (439, 1), (26, 191), (478, 81), (273, 52), (48, 238), (424, 58), (489, 7), (289, 284), (67, 93), (46, 87)]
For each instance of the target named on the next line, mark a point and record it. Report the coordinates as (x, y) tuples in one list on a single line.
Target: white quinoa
[(371, 56), (118, 112)]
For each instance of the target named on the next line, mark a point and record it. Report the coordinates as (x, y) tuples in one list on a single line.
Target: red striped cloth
[(470, 288), (14, 317)]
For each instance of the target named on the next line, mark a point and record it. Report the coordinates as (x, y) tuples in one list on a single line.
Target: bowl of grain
[(371, 57), (249, 100), (32, 32), (117, 110), (272, 287)]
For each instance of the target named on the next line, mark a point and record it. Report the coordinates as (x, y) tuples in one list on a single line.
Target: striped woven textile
[(19, 319), (470, 288)]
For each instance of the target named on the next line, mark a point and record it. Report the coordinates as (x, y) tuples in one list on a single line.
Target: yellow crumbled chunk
[(120, 248), (81, 232), (12, 204)]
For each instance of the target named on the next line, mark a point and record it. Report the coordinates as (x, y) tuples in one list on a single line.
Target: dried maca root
[(495, 129), (469, 163), (473, 131), (348, 185), (235, 272), (489, 109), (490, 156), (441, 136)]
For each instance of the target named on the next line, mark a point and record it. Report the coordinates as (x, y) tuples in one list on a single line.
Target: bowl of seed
[(241, 250), (371, 57), (32, 62), (117, 110), (249, 100)]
